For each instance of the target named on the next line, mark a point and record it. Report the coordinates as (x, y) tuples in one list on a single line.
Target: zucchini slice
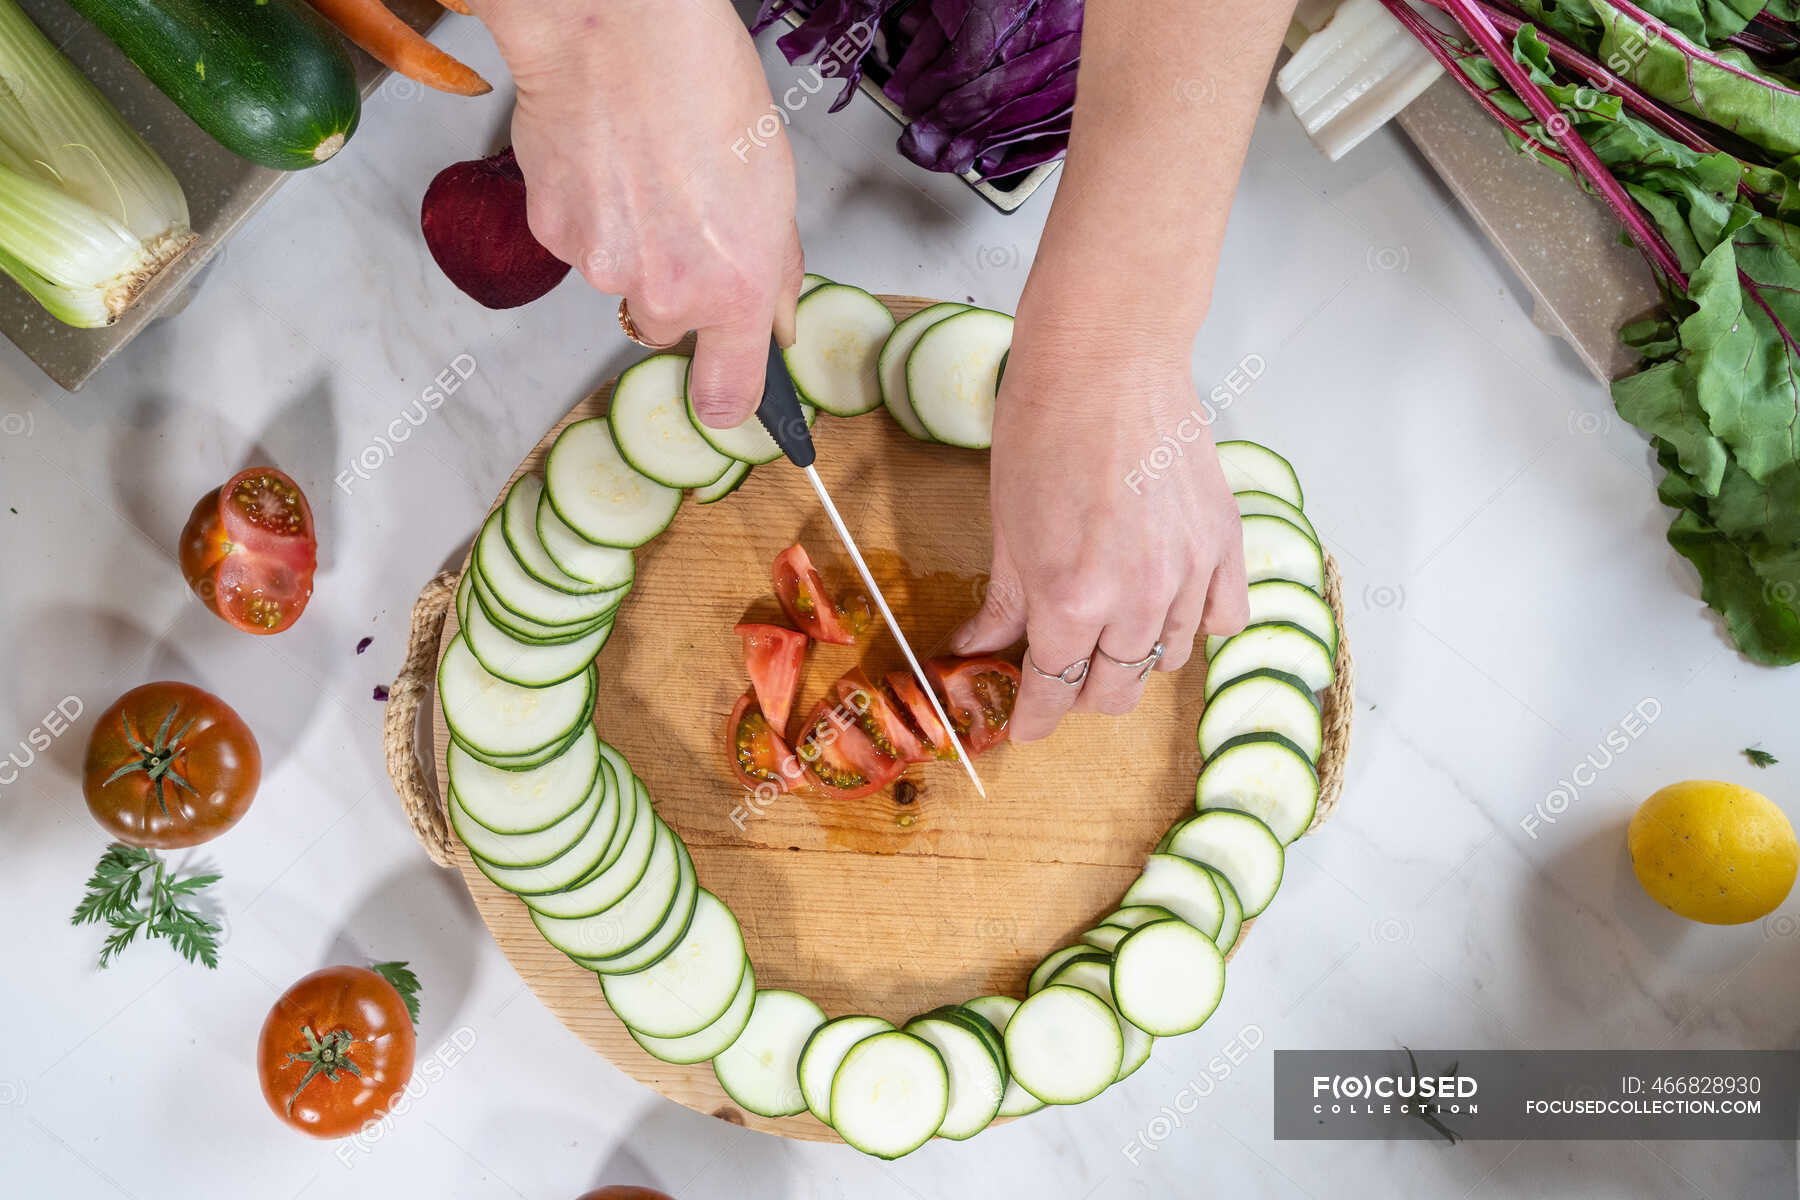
[(497, 718), (997, 1011), (1273, 645), (812, 283), (890, 365), (520, 802), (618, 874), (953, 373), (472, 591), (1276, 548), (710, 1042), (1285, 600), (724, 485), (1176, 882), (528, 664), (1104, 937), (1263, 504), (1263, 701), (601, 566), (890, 1094), (598, 494), (523, 850), (1234, 912), (1121, 921), (1095, 975), (668, 932), (1250, 467), (581, 859), (524, 596), (519, 762), (649, 421), (519, 525), (1167, 978), (761, 1070), (748, 442), (1064, 1045), (693, 986), (1040, 974), (838, 334), (824, 1052), (1239, 847), (977, 1077), (631, 918), (1265, 775)]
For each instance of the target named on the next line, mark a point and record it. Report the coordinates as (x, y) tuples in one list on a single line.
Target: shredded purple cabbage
[(987, 85)]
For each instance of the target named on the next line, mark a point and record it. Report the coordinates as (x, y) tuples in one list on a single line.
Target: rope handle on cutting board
[(415, 781)]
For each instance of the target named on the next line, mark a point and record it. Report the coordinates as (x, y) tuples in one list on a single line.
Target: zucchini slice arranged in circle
[(761, 1070)]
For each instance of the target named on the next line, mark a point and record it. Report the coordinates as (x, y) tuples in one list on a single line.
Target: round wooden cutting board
[(899, 902)]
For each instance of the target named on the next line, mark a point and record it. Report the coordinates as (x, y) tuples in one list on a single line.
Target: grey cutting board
[(222, 189), (1563, 244)]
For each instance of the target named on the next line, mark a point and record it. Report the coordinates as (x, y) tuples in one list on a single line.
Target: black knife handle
[(780, 412)]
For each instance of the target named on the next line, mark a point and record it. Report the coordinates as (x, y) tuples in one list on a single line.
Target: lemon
[(1713, 851)]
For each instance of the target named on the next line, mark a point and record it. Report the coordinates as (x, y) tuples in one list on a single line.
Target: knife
[(780, 414)]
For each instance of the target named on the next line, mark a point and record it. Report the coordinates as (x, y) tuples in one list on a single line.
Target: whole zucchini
[(268, 79)]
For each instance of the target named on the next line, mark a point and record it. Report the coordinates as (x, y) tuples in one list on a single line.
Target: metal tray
[(222, 190)]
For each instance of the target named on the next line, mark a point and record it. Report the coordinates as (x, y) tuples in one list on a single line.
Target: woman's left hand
[(1104, 544)]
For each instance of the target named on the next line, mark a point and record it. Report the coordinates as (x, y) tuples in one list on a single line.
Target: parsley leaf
[(1760, 758), (404, 981), (115, 898)]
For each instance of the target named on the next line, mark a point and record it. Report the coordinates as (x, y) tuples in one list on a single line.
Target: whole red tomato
[(249, 550), (335, 1051), (169, 765), (622, 1192)]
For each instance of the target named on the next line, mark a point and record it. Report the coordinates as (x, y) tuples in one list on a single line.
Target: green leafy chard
[(1709, 204)]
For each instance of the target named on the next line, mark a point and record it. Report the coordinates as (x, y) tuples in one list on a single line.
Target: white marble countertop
[(1511, 601)]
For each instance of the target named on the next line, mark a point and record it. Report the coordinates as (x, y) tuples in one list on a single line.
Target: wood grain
[(873, 906)]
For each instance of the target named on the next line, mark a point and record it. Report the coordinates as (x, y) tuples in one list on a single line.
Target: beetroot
[(474, 223)]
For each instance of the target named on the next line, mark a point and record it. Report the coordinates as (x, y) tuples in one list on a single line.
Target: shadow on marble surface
[(420, 914), (91, 655)]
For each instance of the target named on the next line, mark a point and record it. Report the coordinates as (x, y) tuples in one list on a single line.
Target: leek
[(88, 213)]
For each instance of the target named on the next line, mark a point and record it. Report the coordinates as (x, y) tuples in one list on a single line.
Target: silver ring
[(1072, 674), (1142, 666)]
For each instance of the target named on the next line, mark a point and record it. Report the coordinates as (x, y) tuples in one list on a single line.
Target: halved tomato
[(803, 597), (249, 551), (891, 732), (839, 758), (978, 694), (910, 699), (757, 751), (773, 656)]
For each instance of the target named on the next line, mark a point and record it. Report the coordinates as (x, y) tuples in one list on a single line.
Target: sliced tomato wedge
[(911, 700), (773, 657), (249, 550), (840, 759), (757, 751), (803, 597), (978, 694), (880, 719)]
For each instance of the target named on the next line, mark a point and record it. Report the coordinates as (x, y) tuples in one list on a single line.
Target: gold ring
[(630, 329)]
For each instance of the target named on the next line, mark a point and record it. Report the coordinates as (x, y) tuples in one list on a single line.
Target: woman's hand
[(634, 131), (1094, 555), (1094, 551)]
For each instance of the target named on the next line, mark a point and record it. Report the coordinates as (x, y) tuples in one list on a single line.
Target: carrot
[(456, 6), (396, 45)]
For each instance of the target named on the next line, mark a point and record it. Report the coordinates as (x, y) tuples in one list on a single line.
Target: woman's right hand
[(647, 171)]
